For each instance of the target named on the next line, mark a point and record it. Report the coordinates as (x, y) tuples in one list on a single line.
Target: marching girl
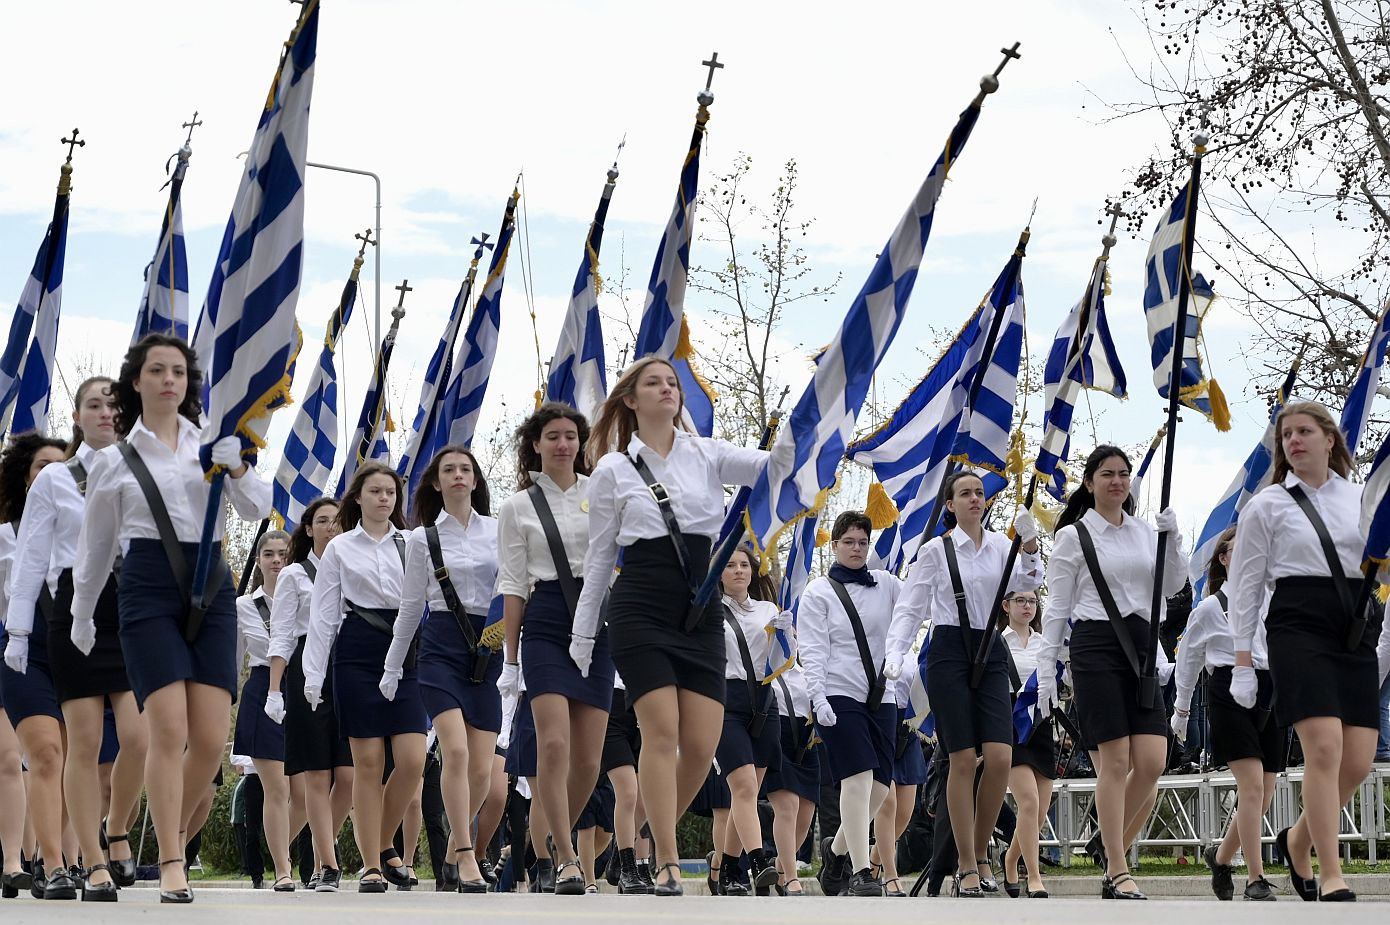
[(674, 675), (356, 598), (749, 745), (1035, 760), (570, 710), (1248, 741), (846, 625), (258, 736), (622, 744), (1098, 524), (152, 482), (1322, 657), (457, 675), (318, 760), (30, 697), (909, 773), (953, 582), (46, 547), (793, 788)]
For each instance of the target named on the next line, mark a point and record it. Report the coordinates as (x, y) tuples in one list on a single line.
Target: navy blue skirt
[(521, 753), (909, 764), (545, 652), (802, 779), (257, 735), (152, 621), (446, 673), (110, 738), (859, 741), (31, 693), (358, 659), (713, 794), (737, 744), (598, 812)]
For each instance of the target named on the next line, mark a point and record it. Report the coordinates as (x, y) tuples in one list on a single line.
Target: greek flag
[(1082, 357), (801, 469), (577, 375), (1357, 411), (420, 447), (1375, 508), (1026, 705), (932, 429), (312, 446), (472, 368), (368, 442), (1166, 269), (255, 285), (1253, 475), (794, 579), (918, 705), (664, 331), (164, 305), (26, 367)]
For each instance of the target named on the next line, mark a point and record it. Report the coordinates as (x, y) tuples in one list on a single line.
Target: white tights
[(860, 799)]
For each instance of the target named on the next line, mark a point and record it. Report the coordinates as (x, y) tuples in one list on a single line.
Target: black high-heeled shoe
[(99, 892), (1305, 887), (1110, 887), (181, 897), (670, 887), (468, 886), (966, 892), (12, 884), (986, 883), (569, 884), (123, 872)]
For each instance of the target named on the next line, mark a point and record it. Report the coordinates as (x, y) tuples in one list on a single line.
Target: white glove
[(275, 707), (1165, 672), (227, 452), (783, 621), (390, 679), (17, 653), (824, 715), (581, 653), (1025, 527), (1166, 521), (84, 635), (314, 694), (1179, 726), (1047, 692), (1244, 686), (893, 668), (509, 683)]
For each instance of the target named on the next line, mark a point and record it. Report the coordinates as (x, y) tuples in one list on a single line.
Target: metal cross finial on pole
[(1009, 54), (403, 288), (1116, 212), (191, 126), (74, 143), (482, 241), (990, 82), (366, 238), (713, 65)]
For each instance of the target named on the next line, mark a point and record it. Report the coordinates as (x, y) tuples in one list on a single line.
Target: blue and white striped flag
[(1375, 508), (794, 579), (164, 305), (1026, 705), (26, 367), (577, 374), (1254, 474), (1082, 357), (918, 705), (250, 311), (368, 442), (312, 446), (1357, 410), (420, 447), (664, 331), (807, 452), (472, 368), (917, 446)]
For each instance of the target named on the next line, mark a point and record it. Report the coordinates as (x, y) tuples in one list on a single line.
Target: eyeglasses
[(1026, 601), (854, 544)]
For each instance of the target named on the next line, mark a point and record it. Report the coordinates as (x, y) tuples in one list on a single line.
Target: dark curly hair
[(529, 433), (14, 470), (301, 543), (429, 501), (128, 404)]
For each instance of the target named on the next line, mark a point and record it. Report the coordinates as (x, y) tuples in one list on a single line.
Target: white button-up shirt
[(354, 568), (1276, 540), (1206, 643), (825, 636), (1125, 554), (794, 680), (928, 594), (290, 609), (47, 541), (523, 550), (470, 555), (753, 616), (6, 559), (1025, 654), (117, 513), (623, 511), (253, 633)]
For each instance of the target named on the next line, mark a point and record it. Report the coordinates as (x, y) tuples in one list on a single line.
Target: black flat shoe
[(1013, 889), (711, 878), (178, 897), (1110, 888), (569, 884), (327, 880), (123, 872), (1037, 894), (1305, 887), (399, 874), (283, 885), (630, 882), (671, 887), (60, 886), (1260, 891), (377, 883), (99, 892), (36, 879), (545, 875), (864, 883), (1222, 883), (1343, 895)]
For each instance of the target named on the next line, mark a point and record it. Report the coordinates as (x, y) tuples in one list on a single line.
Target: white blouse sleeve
[(513, 575), (605, 519), (32, 553), (1192, 650), (414, 596), (284, 612), (1250, 570), (812, 628), (736, 465), (99, 540), (913, 608), (1063, 571), (325, 617), (249, 495)]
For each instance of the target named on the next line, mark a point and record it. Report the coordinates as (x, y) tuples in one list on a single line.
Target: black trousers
[(436, 819), (252, 860)]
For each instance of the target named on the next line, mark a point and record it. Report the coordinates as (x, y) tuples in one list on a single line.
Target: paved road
[(248, 906)]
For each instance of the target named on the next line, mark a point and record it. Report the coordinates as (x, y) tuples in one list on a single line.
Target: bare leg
[(1147, 753), (276, 814), (11, 796), (41, 738), (490, 814), (319, 807), (369, 764), (960, 798), (989, 797), (84, 718), (166, 712), (127, 772), (1112, 773), (408, 750), (624, 781), (785, 812)]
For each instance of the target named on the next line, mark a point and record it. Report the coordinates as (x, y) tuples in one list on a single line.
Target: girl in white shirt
[(1034, 765), (1250, 742), (185, 688), (794, 788), (258, 736), (318, 759), (674, 676), (458, 672), (356, 598), (570, 711), (1132, 738), (1327, 691)]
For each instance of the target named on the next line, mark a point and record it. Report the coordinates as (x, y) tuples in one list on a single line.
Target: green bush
[(694, 836)]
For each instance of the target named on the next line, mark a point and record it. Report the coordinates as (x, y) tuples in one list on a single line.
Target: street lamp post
[(377, 272)]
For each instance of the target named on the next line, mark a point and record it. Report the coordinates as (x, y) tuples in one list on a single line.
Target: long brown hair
[(761, 587), (77, 435), (616, 422), (350, 509), (1339, 461), (301, 543), (528, 434), (128, 403), (257, 579), (429, 501), (1216, 572)]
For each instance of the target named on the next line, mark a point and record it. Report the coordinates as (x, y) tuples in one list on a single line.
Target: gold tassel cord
[(879, 508)]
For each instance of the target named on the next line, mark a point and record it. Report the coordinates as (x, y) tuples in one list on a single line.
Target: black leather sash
[(568, 586), (1107, 600), (750, 678), (872, 674), (958, 590), (481, 654), (798, 723)]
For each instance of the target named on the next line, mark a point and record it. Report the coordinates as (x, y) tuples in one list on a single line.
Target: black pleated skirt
[(1107, 690), (1039, 752), (1314, 674), (313, 740), (75, 675)]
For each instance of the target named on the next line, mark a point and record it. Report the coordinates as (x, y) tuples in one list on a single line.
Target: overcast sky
[(448, 101)]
